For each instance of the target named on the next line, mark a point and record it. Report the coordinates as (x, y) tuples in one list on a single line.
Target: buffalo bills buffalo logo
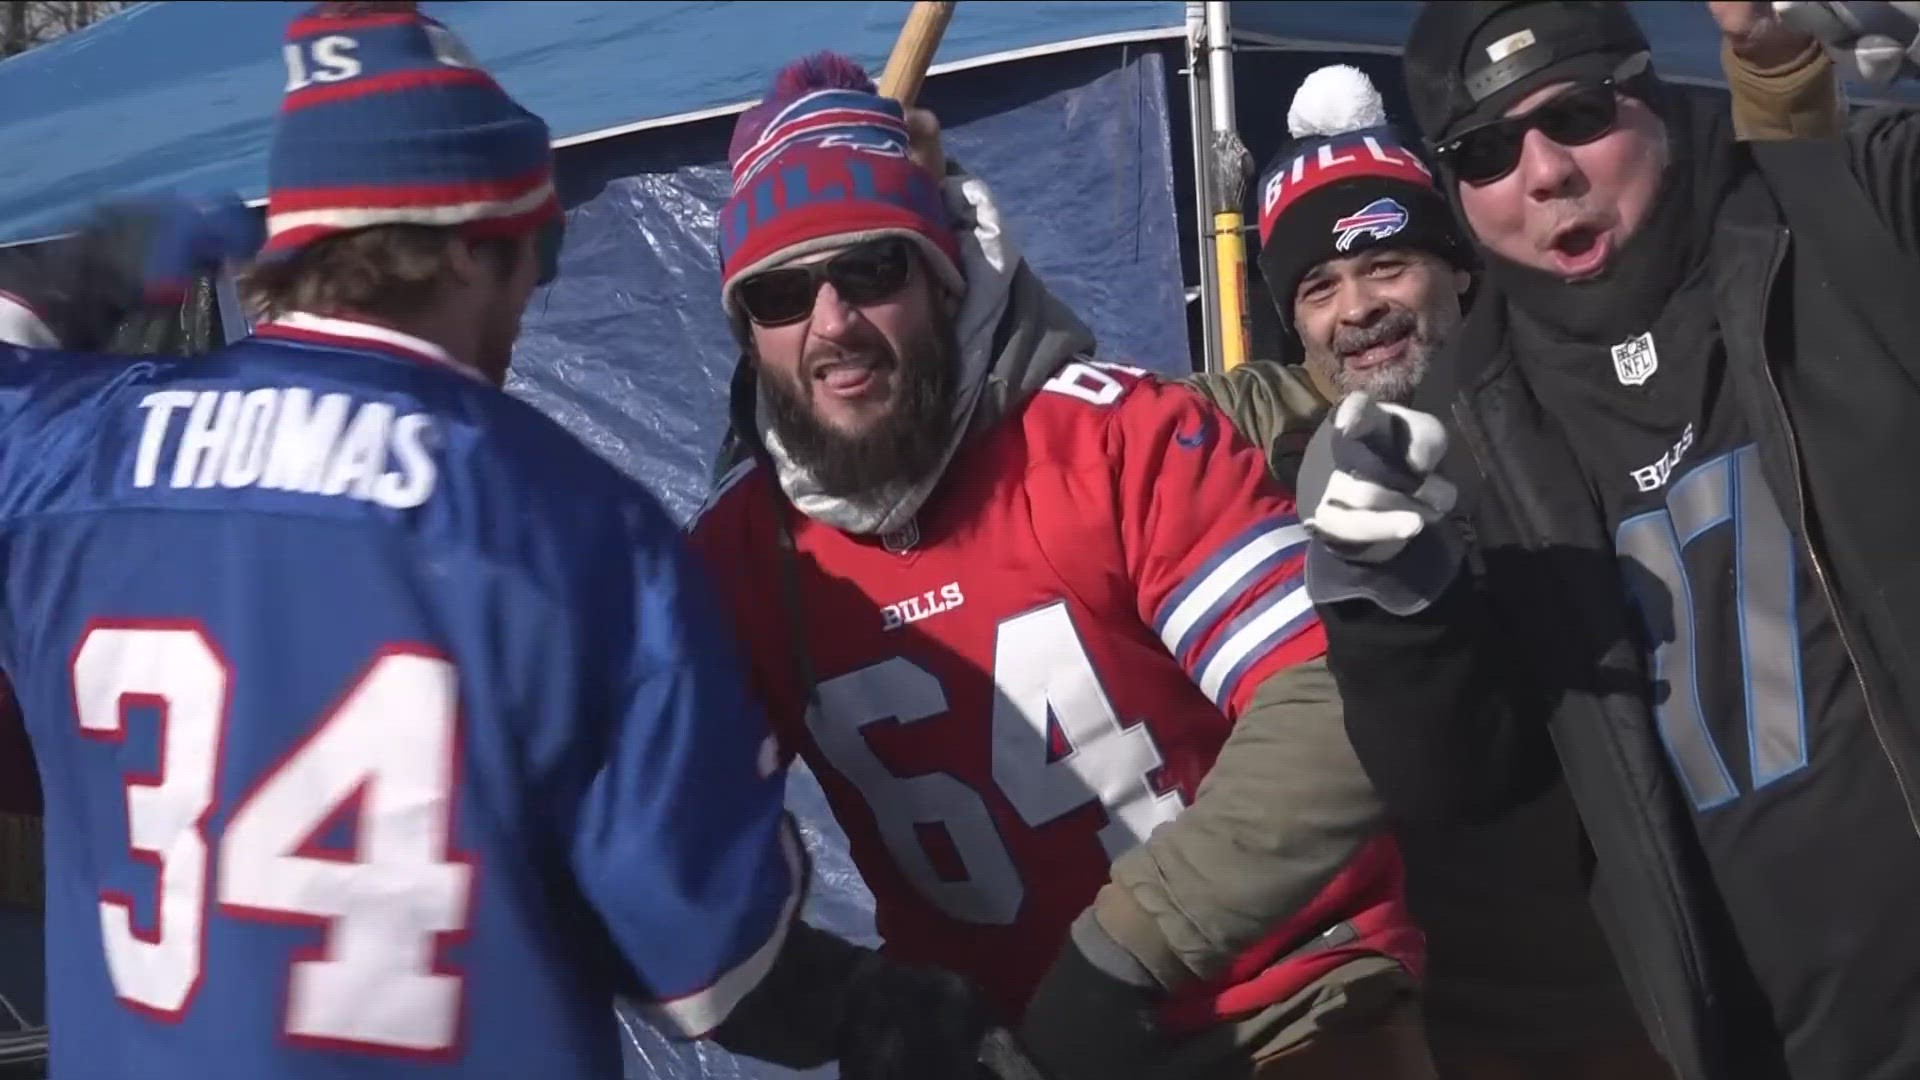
[(1378, 219)]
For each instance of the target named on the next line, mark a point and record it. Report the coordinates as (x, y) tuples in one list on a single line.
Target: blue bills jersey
[(385, 730)]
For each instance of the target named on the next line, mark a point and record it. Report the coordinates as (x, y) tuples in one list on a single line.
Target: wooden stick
[(913, 51)]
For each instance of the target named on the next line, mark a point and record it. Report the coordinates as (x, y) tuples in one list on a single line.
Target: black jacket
[(1817, 287)]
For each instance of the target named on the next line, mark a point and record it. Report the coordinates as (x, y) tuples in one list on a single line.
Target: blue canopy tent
[(1079, 113)]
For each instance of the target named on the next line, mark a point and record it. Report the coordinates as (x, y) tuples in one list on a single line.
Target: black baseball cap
[(1468, 61)]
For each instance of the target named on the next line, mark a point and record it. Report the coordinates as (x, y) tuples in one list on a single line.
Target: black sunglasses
[(1574, 118), (864, 274)]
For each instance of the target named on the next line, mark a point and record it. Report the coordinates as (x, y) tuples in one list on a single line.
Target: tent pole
[(1199, 112), (1232, 168), (234, 323)]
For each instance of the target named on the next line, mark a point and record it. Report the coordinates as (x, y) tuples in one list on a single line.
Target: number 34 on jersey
[(385, 907)]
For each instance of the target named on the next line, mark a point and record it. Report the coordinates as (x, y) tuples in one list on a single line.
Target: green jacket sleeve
[(1275, 406), (1286, 803), (1282, 811)]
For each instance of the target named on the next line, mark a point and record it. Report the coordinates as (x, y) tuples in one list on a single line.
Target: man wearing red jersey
[(1037, 623)]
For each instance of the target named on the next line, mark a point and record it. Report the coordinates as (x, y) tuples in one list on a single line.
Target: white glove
[(1383, 490), (1878, 40)]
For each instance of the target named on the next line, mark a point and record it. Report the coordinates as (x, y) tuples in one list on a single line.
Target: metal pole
[(1199, 110), (233, 315), (1233, 167), (1220, 64)]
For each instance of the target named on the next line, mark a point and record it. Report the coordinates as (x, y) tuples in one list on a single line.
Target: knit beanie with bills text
[(823, 162), (1345, 183)]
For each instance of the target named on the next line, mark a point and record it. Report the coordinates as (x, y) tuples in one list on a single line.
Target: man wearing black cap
[(1671, 411), (1364, 261)]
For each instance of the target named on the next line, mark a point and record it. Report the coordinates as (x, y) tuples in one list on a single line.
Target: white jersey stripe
[(697, 1014), (1226, 579), (1256, 636)]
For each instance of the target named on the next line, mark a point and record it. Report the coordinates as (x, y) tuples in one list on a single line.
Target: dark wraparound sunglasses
[(1574, 118), (866, 273)]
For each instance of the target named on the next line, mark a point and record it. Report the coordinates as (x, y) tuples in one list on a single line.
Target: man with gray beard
[(1361, 256), (1370, 323)]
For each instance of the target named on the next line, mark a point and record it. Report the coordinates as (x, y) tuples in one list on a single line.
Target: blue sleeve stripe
[(1197, 604), (695, 1015), (1272, 619)]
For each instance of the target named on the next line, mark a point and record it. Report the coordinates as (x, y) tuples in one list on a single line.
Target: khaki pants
[(1367, 1022), (1396, 1048), (1362, 1022), (1392, 1048)]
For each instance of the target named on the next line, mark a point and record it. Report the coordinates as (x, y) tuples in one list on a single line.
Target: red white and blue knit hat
[(389, 120), (821, 163)]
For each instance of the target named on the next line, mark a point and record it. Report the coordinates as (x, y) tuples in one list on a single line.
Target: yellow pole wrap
[(1230, 253)]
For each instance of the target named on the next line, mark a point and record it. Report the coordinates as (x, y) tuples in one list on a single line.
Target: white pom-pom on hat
[(1333, 101)]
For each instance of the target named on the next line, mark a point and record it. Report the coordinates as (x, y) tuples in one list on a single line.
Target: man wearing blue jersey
[(384, 730)]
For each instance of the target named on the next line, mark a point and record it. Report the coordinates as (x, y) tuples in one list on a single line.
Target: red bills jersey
[(1039, 672)]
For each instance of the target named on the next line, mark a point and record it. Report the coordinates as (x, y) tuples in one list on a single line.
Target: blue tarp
[(182, 95)]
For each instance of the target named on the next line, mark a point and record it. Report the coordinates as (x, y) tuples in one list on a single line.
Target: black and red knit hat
[(1347, 182)]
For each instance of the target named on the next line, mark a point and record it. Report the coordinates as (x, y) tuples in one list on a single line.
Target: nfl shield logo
[(903, 539), (1635, 361)]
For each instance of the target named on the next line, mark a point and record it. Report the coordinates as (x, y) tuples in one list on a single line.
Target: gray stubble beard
[(1394, 383)]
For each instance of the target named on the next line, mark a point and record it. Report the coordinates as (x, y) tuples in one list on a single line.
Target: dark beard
[(902, 449)]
